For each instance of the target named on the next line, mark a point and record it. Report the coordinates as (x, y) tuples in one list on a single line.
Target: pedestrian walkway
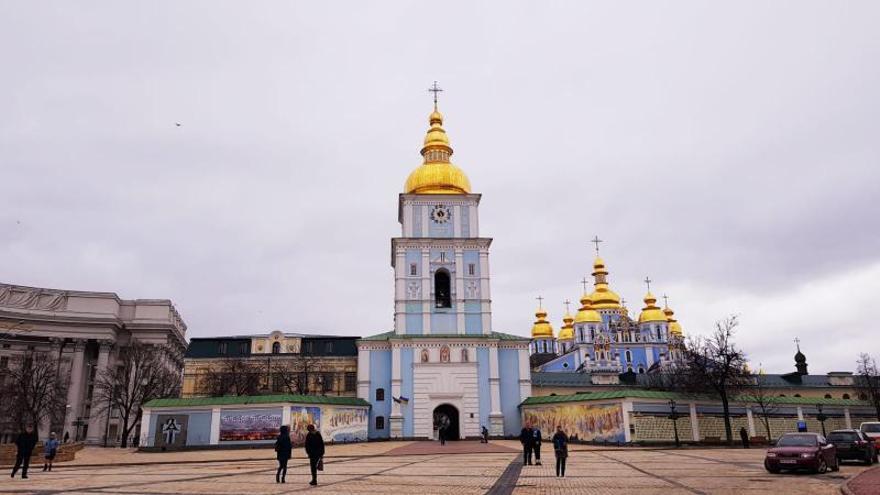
[(867, 483), (457, 447)]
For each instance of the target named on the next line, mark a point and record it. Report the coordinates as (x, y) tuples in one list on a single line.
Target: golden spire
[(437, 175)]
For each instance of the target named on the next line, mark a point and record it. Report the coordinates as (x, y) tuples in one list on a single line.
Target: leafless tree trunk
[(141, 375), (232, 376), (32, 390), (868, 381), (762, 396), (300, 375)]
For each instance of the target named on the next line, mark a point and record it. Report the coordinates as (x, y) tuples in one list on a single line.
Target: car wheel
[(836, 465), (823, 467), (771, 470)]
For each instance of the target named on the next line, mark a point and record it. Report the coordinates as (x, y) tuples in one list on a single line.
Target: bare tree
[(716, 365), (298, 376), (141, 375), (232, 376), (32, 391), (868, 381), (762, 396)]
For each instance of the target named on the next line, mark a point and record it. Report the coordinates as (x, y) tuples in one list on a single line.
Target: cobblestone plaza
[(423, 468)]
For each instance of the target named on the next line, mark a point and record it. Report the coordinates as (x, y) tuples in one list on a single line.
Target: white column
[(626, 409), (396, 420), (496, 418), (847, 418), (401, 271), (485, 294), (525, 374), (215, 425), (363, 374), (99, 412), (75, 388), (800, 412), (695, 423), (427, 300), (285, 415), (146, 440), (459, 289), (751, 419)]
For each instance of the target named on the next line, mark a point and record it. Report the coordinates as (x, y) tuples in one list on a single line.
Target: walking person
[(484, 435), (50, 448), (536, 444), (315, 451), (283, 452), (527, 440), (25, 443), (560, 448), (441, 432), (66, 436), (744, 436)]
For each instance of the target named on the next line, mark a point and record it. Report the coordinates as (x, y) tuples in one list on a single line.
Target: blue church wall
[(465, 221), (443, 322), (198, 429), (442, 229), (413, 256), (406, 390), (508, 371), (471, 256), (414, 322), (380, 377), (483, 385), (450, 259), (473, 324), (566, 362), (417, 221)]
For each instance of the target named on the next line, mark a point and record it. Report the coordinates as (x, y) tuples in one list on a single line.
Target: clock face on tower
[(440, 214)]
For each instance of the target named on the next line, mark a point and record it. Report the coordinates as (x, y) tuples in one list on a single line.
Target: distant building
[(320, 365), (86, 330)]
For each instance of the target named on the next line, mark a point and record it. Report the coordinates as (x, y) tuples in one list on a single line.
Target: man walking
[(536, 444), (25, 443), (315, 452), (527, 440), (744, 436), (560, 448)]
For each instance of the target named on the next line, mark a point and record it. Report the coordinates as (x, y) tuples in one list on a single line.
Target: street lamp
[(821, 417), (673, 415)]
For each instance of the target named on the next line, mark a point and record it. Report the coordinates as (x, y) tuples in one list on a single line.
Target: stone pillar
[(99, 412), (847, 418), (363, 371), (427, 297), (800, 412), (525, 374), (626, 409), (215, 425), (396, 420), (75, 389), (751, 419), (496, 418), (146, 440), (695, 422), (459, 288)]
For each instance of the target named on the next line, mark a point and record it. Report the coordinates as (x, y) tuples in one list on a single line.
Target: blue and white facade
[(443, 355)]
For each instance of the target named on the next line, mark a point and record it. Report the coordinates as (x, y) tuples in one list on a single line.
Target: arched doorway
[(447, 414)]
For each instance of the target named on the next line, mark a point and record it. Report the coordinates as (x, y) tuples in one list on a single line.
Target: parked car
[(853, 445), (871, 429), (795, 451)]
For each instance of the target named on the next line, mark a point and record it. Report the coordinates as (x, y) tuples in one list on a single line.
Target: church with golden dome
[(443, 364), (602, 338)]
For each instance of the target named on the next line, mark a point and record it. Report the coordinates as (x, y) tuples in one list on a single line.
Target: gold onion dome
[(674, 326), (651, 312), (587, 314), (603, 297), (542, 327), (567, 331), (437, 175)]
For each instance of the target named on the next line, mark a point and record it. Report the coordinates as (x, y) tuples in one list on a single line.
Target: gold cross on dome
[(585, 282), (540, 302), (436, 90), (566, 302), (665, 300), (648, 283)]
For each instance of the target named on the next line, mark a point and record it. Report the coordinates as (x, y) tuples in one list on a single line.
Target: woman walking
[(560, 447), (284, 449), (50, 448), (315, 451)]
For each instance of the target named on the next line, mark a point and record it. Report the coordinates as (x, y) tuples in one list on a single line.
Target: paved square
[(425, 468)]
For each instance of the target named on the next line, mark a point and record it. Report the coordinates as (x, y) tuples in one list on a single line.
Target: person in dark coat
[(315, 451), (744, 436), (484, 435), (536, 444), (283, 450), (527, 439), (560, 448), (25, 443)]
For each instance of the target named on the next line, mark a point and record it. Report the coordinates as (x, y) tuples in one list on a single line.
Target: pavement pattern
[(425, 468)]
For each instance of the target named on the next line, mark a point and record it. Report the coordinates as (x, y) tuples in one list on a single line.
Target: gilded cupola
[(603, 297), (586, 314), (674, 326), (651, 312), (566, 333), (542, 328), (437, 175)]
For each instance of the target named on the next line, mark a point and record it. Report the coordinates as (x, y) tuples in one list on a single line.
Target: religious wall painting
[(444, 354), (464, 355), (344, 424), (425, 357), (250, 425), (584, 422), (300, 419), (171, 431)]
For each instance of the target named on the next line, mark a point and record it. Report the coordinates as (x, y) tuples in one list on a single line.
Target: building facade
[(443, 364), (282, 363), (84, 331)]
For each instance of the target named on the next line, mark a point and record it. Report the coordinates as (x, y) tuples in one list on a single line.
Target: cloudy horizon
[(727, 151)]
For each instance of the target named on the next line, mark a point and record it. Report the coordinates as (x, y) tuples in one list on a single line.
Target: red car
[(795, 451), (871, 429)]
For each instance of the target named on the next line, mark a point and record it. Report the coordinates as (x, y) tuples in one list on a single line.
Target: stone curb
[(846, 490)]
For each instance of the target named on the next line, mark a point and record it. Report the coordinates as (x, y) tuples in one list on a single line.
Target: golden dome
[(437, 175), (567, 331), (587, 314), (674, 326), (651, 312), (603, 297), (542, 328)]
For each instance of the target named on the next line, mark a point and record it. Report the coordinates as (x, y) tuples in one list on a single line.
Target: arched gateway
[(447, 415)]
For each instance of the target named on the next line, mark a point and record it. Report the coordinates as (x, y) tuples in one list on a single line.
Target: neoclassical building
[(443, 362), (86, 330)]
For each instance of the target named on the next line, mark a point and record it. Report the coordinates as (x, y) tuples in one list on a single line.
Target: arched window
[(380, 395), (782, 395), (276, 347), (846, 396), (827, 396), (629, 356), (641, 370), (442, 294), (863, 397), (659, 337), (380, 422), (797, 395), (592, 333)]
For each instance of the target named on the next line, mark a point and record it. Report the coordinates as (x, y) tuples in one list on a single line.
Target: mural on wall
[(171, 430), (344, 424), (588, 423), (250, 425), (300, 418)]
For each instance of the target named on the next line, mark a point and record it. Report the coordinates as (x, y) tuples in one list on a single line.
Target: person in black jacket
[(315, 451), (284, 450), (25, 442), (560, 448), (527, 439)]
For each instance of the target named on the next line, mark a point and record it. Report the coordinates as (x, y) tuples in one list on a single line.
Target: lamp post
[(821, 417), (673, 415)]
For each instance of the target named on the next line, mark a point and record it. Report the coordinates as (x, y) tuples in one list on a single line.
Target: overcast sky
[(728, 151)]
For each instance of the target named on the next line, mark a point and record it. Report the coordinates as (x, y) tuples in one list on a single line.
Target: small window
[(472, 269), (380, 395), (797, 395), (413, 269), (221, 348), (641, 370), (243, 348), (827, 396), (350, 381), (276, 347), (846, 396), (863, 397), (4, 362), (442, 295), (328, 347), (782, 395), (565, 365), (629, 356), (380, 421)]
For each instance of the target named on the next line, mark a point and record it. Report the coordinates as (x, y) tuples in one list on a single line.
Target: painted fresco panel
[(300, 418), (344, 424), (171, 430), (588, 423), (249, 425)]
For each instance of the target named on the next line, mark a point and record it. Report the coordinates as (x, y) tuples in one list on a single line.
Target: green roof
[(257, 399), (662, 395), (490, 336)]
